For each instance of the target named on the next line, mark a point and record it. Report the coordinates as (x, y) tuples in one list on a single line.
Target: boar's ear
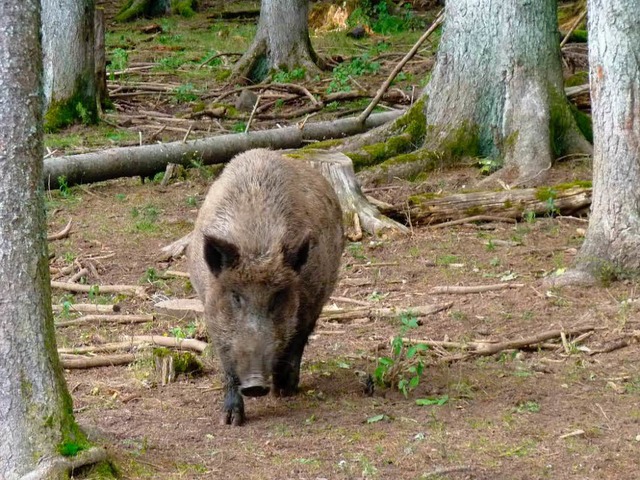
[(219, 254), (296, 256)]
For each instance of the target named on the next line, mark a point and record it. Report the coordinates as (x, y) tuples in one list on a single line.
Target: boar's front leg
[(286, 375), (233, 410)]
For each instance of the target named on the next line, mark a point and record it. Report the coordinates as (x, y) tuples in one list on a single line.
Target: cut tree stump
[(337, 168), (430, 209)]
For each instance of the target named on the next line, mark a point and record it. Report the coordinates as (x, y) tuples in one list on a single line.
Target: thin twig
[(253, 112), (474, 288), (436, 23), (574, 25)]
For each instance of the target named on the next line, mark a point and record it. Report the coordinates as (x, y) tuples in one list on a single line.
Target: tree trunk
[(69, 66), (281, 43), (612, 245), (496, 91), (36, 417), (497, 88)]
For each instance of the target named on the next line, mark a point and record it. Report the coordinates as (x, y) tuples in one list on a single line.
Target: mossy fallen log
[(147, 160), (429, 209)]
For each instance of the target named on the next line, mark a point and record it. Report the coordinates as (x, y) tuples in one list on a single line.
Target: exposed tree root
[(59, 467)]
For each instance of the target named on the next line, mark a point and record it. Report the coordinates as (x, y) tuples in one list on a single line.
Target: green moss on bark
[(406, 133), (80, 107)]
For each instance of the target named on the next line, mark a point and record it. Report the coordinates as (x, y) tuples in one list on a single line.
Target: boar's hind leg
[(286, 375), (233, 412)]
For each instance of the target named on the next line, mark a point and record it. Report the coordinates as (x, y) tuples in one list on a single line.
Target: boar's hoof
[(233, 413)]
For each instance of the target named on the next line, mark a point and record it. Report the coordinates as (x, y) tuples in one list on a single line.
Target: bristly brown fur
[(274, 239)]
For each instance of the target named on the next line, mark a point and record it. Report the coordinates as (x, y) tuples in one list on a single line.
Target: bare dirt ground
[(551, 411), (506, 416)]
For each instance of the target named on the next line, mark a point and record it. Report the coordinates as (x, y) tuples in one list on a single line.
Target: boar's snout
[(254, 386)]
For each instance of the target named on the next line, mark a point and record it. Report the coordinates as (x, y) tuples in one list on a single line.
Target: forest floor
[(558, 409)]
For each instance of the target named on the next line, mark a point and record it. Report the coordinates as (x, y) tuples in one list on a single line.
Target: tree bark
[(281, 43), (69, 66), (148, 160), (36, 415), (612, 245), (497, 87), (496, 91)]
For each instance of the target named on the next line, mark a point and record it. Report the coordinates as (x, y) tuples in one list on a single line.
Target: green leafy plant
[(63, 187), (489, 165), (185, 93), (119, 61), (357, 67), (285, 76), (239, 127), (180, 333), (529, 216), (404, 367)]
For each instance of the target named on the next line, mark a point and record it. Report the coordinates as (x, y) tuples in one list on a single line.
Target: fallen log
[(87, 308), (147, 160), (70, 362), (432, 209)]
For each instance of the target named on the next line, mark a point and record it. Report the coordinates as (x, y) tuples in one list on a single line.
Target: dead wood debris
[(346, 315), (123, 289), (619, 343), (99, 318), (483, 348), (62, 233), (79, 361), (87, 308), (474, 288)]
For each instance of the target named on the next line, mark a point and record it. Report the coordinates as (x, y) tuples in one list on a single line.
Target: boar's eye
[(278, 299), (237, 299)]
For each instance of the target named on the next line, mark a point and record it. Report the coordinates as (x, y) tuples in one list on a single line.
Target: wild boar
[(264, 259)]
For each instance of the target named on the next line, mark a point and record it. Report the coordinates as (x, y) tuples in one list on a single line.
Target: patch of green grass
[(286, 76), (358, 66), (146, 218), (447, 259), (186, 93), (528, 406)]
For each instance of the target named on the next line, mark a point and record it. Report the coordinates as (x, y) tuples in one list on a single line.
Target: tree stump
[(337, 168)]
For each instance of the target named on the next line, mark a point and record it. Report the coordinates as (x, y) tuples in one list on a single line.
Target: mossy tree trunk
[(36, 416), (496, 91), (612, 245), (69, 66), (281, 43)]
